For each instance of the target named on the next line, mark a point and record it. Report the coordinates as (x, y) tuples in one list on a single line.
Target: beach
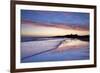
[(54, 49)]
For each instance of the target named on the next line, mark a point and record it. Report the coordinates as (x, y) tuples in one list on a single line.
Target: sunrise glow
[(37, 30)]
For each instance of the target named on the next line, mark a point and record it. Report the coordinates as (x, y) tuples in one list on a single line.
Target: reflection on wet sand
[(72, 44), (69, 49)]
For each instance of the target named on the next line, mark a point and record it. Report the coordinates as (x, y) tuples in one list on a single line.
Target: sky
[(54, 23)]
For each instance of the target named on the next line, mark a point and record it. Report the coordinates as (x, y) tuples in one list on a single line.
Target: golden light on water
[(69, 44)]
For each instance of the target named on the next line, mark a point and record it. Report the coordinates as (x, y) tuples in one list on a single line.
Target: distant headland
[(72, 36)]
